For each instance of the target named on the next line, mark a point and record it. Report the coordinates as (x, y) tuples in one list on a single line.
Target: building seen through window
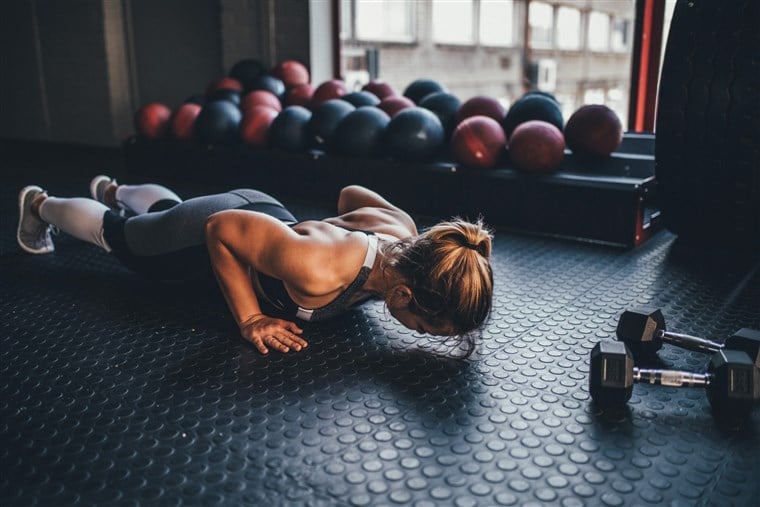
[(578, 50)]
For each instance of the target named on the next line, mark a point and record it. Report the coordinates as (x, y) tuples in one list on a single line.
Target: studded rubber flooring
[(115, 390)]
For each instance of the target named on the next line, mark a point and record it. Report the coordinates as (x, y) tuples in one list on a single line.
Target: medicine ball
[(478, 141), (291, 73), (218, 123), (414, 134), (261, 98), (542, 94), (288, 130), (359, 99), (299, 95), (392, 105), (482, 106), (224, 94), (593, 130), (361, 133), (420, 88), (225, 83), (446, 107), (379, 89), (247, 71), (152, 120), (325, 119), (270, 84), (182, 123), (254, 129), (331, 89), (536, 146), (533, 107)]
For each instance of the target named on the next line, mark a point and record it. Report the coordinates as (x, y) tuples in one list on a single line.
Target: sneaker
[(98, 187), (33, 234)]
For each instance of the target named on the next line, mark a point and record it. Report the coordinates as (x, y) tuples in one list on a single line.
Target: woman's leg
[(135, 199), (171, 244), (79, 217)]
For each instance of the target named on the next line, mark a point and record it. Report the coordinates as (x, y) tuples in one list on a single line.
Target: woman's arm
[(238, 241)]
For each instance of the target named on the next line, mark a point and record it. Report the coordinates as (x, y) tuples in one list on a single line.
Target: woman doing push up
[(438, 282)]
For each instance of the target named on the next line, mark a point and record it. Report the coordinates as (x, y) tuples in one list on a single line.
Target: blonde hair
[(448, 271)]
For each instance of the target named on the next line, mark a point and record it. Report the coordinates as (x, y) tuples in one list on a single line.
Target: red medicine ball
[(478, 141), (481, 106), (291, 73), (254, 129), (152, 120), (594, 130), (332, 89), (299, 95), (183, 121), (536, 146), (260, 98)]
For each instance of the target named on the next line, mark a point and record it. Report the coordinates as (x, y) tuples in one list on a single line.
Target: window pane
[(598, 31), (621, 36), (496, 22), (384, 20), (452, 21), (568, 28), (541, 19)]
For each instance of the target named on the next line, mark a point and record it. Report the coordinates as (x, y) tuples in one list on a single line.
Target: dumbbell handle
[(673, 378), (690, 342)]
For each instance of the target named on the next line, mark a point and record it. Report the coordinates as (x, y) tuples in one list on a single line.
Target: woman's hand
[(282, 335)]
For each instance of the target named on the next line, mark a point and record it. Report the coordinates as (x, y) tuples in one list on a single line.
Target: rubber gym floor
[(115, 390)]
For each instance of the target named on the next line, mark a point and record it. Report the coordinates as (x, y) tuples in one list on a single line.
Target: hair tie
[(471, 246)]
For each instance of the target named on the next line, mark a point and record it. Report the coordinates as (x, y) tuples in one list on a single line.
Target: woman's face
[(417, 323)]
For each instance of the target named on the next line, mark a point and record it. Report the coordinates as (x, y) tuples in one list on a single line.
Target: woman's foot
[(33, 235), (103, 189)]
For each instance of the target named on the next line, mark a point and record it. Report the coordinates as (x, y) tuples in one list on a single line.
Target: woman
[(438, 282)]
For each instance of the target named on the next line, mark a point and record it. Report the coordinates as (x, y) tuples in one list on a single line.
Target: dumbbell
[(732, 381), (643, 330)]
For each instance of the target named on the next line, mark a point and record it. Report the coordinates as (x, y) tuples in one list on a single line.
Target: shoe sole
[(21, 198), (94, 185)]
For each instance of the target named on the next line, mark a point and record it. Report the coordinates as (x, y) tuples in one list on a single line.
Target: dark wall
[(74, 66), (21, 108), (54, 81), (177, 48)]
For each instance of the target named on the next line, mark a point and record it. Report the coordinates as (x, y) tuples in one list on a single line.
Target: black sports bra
[(275, 293)]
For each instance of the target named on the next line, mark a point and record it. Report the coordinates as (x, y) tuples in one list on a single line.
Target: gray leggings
[(170, 244)]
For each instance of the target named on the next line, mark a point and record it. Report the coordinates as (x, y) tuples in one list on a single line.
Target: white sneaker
[(98, 187), (33, 235)]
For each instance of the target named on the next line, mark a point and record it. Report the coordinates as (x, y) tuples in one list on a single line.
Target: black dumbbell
[(643, 330), (732, 381)]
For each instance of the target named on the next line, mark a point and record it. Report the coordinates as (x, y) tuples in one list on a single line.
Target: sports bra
[(275, 293)]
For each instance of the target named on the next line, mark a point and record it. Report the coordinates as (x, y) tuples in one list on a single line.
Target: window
[(598, 31), (453, 21), (568, 28), (593, 96), (384, 20), (541, 19), (497, 23), (475, 47), (621, 36)]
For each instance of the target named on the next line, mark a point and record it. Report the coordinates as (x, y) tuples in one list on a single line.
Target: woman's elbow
[(213, 225)]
